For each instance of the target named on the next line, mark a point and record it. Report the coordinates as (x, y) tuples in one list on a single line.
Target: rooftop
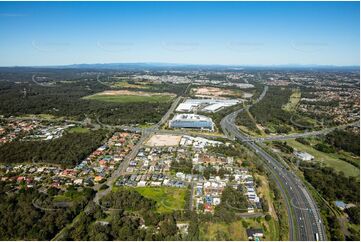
[(191, 117)]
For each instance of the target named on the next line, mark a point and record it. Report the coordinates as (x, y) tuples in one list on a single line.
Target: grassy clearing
[(236, 230), (331, 160), (216, 133), (62, 198), (145, 126), (248, 131), (168, 199), (349, 156), (293, 101), (136, 85), (41, 116), (131, 98), (223, 231), (265, 192), (78, 130), (69, 196), (248, 124)]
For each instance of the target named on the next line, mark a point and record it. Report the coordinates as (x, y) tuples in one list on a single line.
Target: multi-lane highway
[(304, 218)]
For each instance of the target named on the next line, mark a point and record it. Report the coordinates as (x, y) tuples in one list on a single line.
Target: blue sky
[(241, 33)]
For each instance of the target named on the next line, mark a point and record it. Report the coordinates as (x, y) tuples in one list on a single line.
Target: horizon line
[(184, 64)]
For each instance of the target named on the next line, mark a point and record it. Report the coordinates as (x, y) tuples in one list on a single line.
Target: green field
[(294, 100), (223, 231), (236, 230), (331, 160), (62, 198), (131, 98), (78, 130), (136, 85), (168, 198), (41, 116), (265, 192)]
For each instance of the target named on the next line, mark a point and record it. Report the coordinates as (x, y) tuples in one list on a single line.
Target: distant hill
[(187, 67)]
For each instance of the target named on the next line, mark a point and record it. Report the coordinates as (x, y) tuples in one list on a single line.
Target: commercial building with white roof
[(193, 121), (206, 105)]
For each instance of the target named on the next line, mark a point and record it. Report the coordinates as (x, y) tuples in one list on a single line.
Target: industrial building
[(193, 121), (304, 156), (206, 105)]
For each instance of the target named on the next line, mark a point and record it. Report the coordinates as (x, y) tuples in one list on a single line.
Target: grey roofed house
[(254, 233), (340, 204)]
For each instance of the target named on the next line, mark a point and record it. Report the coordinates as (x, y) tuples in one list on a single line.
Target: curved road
[(304, 218), (304, 134)]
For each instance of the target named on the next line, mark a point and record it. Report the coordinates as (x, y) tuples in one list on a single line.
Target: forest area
[(334, 186), (65, 99), (21, 220), (268, 112), (67, 150)]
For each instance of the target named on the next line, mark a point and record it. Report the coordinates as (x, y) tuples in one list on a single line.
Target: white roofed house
[(141, 183)]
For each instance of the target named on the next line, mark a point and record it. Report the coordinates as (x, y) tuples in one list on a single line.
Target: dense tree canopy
[(68, 149), (232, 201), (128, 200), (269, 109), (346, 140), (130, 211), (332, 185), (21, 220), (61, 98), (354, 214)]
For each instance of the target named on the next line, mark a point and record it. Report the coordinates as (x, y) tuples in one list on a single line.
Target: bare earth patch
[(164, 140), (247, 95), (214, 92)]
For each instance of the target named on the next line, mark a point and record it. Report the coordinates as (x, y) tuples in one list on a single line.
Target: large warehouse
[(206, 105), (193, 121)]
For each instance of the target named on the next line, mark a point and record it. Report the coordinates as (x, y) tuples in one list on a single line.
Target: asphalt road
[(119, 171), (303, 215), (305, 134)]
